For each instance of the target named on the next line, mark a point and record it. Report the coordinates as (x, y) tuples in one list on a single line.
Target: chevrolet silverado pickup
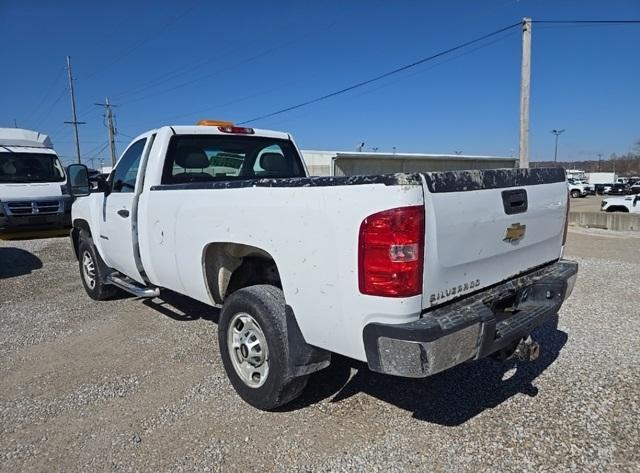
[(628, 204), (410, 273)]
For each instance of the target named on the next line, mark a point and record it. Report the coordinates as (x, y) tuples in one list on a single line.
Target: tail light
[(236, 129), (566, 221), (391, 253)]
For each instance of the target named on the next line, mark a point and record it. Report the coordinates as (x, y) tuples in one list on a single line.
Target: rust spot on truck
[(480, 179), (400, 179)]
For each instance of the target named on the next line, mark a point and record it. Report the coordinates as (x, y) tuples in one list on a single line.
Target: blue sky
[(176, 62)]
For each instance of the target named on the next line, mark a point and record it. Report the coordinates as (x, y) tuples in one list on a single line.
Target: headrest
[(274, 162), (191, 158)]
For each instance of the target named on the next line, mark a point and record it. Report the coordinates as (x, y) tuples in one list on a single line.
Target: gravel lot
[(131, 385), (590, 203)]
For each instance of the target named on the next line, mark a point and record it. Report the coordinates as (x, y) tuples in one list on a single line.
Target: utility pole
[(555, 153), (613, 160), (524, 92), (599, 161), (75, 121), (111, 129)]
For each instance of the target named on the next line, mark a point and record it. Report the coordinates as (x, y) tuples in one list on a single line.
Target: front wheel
[(575, 194), (252, 335), (93, 271)]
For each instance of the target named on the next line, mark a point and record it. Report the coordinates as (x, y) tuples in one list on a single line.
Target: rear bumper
[(471, 328)]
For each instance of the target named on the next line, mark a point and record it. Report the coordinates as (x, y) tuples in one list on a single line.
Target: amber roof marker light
[(214, 123)]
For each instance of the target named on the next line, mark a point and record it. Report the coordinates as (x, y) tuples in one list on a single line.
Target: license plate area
[(37, 220)]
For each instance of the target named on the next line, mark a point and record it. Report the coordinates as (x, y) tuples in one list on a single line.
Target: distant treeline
[(623, 165)]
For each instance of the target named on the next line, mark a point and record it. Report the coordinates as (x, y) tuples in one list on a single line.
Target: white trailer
[(602, 178)]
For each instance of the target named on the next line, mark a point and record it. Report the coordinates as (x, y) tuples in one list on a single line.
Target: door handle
[(124, 213)]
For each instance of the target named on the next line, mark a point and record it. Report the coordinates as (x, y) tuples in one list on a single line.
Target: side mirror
[(102, 184), (78, 180)]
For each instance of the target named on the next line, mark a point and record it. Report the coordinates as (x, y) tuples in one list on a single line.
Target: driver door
[(116, 232)]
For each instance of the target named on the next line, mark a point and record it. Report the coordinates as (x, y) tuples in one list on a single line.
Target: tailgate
[(486, 226)]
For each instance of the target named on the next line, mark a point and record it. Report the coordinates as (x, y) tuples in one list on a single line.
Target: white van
[(33, 195)]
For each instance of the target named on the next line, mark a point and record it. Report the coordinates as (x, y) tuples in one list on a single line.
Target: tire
[(93, 271), (254, 317), (575, 194)]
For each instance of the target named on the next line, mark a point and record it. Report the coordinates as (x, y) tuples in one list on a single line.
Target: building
[(350, 163)]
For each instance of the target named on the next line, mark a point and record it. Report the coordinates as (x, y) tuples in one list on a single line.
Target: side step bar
[(131, 286)]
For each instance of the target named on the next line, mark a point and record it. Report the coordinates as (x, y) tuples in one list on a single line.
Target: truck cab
[(33, 196)]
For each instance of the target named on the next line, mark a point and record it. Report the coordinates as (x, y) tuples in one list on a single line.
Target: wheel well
[(232, 266), (617, 208), (78, 226)]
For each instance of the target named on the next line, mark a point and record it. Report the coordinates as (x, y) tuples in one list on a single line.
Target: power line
[(414, 73), (50, 109), (590, 22), (98, 149), (289, 83), (259, 55), (382, 76), (157, 32), (46, 95)]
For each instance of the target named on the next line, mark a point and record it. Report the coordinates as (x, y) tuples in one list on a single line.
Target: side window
[(126, 171)]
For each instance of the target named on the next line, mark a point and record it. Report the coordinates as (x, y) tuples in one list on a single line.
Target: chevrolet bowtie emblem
[(514, 233)]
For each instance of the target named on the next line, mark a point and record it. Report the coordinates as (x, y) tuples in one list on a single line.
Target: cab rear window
[(198, 158)]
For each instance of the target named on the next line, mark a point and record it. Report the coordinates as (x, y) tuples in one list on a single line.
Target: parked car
[(617, 189), (578, 189), (410, 273), (629, 204), (33, 195)]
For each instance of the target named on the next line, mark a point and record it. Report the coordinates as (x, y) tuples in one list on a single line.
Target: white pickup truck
[(628, 204), (578, 188), (411, 273)]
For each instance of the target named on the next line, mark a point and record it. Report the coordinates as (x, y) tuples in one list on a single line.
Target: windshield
[(30, 167)]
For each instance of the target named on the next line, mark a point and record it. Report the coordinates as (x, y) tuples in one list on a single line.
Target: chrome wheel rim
[(88, 270), (248, 350)]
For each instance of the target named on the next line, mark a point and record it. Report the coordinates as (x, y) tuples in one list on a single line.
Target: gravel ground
[(130, 385), (590, 203)]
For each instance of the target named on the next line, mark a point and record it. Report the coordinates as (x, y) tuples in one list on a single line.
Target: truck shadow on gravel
[(17, 262), (449, 398), (182, 308)]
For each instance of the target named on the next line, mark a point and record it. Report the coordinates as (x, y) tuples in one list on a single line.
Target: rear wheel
[(252, 335), (93, 271), (575, 194)]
